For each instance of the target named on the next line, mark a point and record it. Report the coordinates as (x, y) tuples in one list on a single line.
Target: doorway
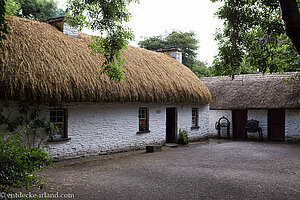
[(276, 125), (239, 120), (171, 125)]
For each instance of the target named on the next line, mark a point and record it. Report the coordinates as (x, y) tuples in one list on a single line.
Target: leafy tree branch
[(108, 18)]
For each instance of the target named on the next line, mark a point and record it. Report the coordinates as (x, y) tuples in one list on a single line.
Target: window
[(143, 120), (194, 117), (59, 118)]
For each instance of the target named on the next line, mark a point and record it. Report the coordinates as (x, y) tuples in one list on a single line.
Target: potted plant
[(183, 137)]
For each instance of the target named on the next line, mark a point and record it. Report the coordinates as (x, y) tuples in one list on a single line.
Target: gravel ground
[(216, 169)]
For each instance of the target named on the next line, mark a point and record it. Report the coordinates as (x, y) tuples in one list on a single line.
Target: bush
[(19, 162), (183, 137)]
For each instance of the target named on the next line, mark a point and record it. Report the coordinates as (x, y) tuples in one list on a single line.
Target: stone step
[(173, 145)]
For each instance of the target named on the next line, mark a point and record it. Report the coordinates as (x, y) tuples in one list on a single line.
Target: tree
[(12, 7), (184, 40), (3, 27), (291, 16), (40, 10), (202, 69), (253, 38), (106, 17)]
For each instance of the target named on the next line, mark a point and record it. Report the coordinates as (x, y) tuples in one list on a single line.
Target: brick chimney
[(175, 52), (63, 26)]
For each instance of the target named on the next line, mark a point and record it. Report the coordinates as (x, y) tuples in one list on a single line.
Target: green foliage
[(34, 129), (40, 10), (185, 40), (107, 17), (201, 69), (3, 26), (253, 39), (12, 7), (183, 137), (18, 163), (20, 152)]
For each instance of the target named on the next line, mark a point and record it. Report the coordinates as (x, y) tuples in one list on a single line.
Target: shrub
[(19, 162), (183, 137)]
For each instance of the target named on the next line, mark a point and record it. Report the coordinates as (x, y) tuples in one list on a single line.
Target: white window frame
[(195, 118)]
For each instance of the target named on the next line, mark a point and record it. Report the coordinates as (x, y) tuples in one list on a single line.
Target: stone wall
[(262, 117), (185, 121), (292, 125), (214, 116), (96, 129), (106, 128), (70, 31), (292, 122)]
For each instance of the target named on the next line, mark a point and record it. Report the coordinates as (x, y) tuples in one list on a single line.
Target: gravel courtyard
[(217, 169)]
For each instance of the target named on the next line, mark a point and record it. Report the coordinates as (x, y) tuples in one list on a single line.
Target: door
[(276, 125), (239, 120), (171, 125)]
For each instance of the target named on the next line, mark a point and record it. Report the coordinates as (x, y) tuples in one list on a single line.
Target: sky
[(159, 17)]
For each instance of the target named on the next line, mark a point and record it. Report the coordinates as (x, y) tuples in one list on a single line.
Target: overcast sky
[(156, 17)]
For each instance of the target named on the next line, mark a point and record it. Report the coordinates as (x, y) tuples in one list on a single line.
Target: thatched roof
[(40, 63), (253, 91)]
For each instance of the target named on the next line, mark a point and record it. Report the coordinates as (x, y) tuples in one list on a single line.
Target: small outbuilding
[(45, 68), (274, 103)]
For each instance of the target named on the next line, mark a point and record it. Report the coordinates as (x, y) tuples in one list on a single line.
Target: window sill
[(59, 139), (142, 132), (195, 127)]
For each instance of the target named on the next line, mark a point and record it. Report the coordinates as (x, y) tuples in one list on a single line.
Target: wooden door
[(171, 125), (239, 120), (276, 125)]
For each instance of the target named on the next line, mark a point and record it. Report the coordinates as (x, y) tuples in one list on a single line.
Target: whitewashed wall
[(185, 121), (106, 128), (214, 116), (262, 117), (292, 124)]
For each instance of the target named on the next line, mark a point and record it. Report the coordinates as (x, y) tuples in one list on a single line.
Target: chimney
[(61, 25), (175, 52)]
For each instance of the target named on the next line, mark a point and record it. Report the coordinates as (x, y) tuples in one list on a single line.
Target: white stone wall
[(70, 31), (214, 116), (105, 128), (262, 117), (100, 129), (292, 124), (177, 55), (185, 121)]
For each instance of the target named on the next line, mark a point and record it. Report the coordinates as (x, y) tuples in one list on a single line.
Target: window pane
[(143, 119), (194, 117), (194, 112), (59, 119), (52, 113), (142, 113), (53, 119), (60, 113)]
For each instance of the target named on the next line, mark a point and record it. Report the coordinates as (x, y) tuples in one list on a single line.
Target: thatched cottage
[(159, 95), (265, 98)]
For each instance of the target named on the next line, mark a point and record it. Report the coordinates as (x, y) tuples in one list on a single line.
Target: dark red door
[(276, 125), (239, 120), (171, 125)]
